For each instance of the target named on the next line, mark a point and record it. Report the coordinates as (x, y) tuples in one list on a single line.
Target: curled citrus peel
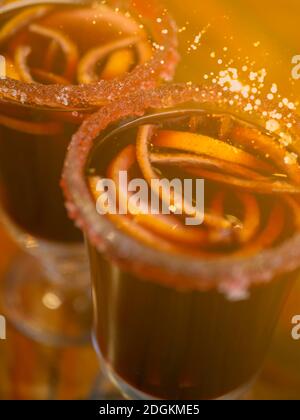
[(269, 235), (269, 147), (143, 141), (168, 227), (261, 186), (248, 231), (50, 56), (86, 67), (148, 230), (208, 146), (124, 47), (21, 57), (231, 267), (68, 47), (189, 160)]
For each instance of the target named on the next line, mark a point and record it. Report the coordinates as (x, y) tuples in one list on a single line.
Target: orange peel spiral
[(262, 241), (126, 61)]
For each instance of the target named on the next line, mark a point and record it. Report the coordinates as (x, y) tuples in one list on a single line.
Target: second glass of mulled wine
[(184, 311), (55, 78)]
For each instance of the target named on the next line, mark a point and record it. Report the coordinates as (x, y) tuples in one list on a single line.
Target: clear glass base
[(47, 294), (130, 393), (52, 312)]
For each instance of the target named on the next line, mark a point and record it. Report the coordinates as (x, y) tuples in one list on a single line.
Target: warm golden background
[(264, 33), (261, 34)]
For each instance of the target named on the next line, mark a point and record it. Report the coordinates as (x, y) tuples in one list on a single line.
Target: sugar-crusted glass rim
[(144, 76), (231, 275)]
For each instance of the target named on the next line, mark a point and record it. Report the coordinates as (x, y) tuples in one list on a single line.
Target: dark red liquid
[(174, 344), (30, 169)]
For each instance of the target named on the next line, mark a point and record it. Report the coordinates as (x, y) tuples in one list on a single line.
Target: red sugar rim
[(144, 76), (231, 275)]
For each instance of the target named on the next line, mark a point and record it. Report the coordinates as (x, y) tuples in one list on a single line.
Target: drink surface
[(251, 193), (174, 344), (55, 45)]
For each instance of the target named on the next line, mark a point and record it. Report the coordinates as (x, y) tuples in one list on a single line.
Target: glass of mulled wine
[(55, 77), (185, 312)]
